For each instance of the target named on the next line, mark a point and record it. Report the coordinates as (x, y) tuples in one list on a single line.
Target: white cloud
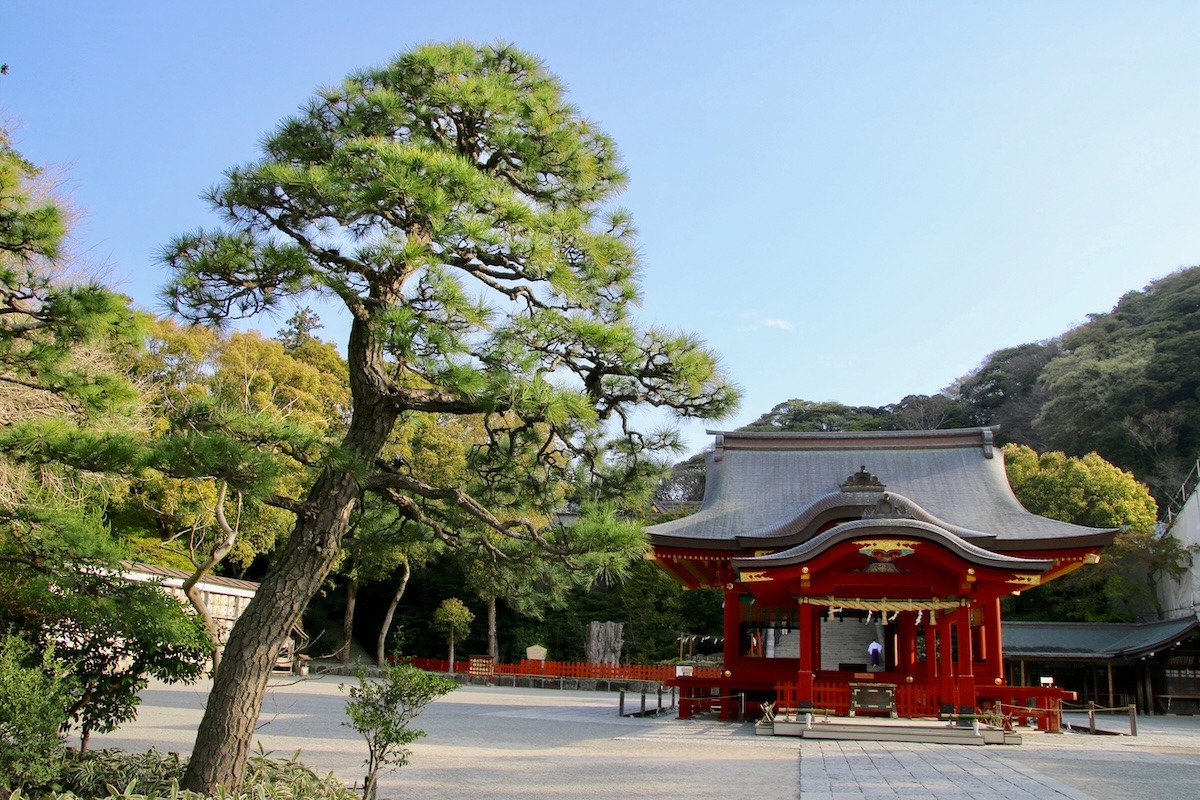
[(750, 322), (781, 324)]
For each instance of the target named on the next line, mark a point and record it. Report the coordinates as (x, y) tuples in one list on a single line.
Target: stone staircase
[(886, 730)]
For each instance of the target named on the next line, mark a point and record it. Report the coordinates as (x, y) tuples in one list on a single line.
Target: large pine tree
[(456, 206)]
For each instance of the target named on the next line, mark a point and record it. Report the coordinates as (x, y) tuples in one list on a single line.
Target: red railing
[(912, 700), (1023, 703), (569, 669)]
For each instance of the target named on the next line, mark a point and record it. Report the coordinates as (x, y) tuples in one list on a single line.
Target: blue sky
[(847, 201)]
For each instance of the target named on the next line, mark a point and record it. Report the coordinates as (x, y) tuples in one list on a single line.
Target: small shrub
[(116, 775), (33, 709), (381, 711), (92, 772)]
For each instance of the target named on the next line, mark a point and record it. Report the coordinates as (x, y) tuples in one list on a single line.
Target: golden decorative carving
[(885, 550)]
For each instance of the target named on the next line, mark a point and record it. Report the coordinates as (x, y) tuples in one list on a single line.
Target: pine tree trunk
[(348, 621), (239, 686), (380, 651)]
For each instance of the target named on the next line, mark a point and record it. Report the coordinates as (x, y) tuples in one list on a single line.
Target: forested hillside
[(1125, 384)]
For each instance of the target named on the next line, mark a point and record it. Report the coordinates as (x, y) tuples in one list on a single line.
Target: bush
[(112, 774), (33, 709), (381, 711)]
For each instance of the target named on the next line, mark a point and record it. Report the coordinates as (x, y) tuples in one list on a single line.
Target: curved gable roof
[(781, 487), (900, 527)]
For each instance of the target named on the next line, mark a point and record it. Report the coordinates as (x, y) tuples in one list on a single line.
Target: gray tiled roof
[(1070, 640), (774, 486)]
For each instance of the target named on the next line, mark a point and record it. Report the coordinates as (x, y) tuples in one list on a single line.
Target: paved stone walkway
[(492, 742), (833, 770)]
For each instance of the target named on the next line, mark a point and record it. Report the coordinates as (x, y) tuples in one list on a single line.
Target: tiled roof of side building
[(171, 574), (1084, 640)]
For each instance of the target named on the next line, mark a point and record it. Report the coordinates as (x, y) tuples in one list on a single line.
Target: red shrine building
[(864, 571)]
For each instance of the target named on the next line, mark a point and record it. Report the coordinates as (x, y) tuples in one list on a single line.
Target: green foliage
[(34, 693), (45, 321), (1087, 491), (453, 619), (1090, 491), (1005, 391), (112, 774), (114, 634), (684, 484), (1125, 384), (654, 608), (804, 415), (381, 711), (29, 226)]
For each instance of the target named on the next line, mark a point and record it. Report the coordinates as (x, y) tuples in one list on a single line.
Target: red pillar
[(929, 667), (733, 641), (966, 658), (906, 653), (945, 668), (993, 647), (805, 677)]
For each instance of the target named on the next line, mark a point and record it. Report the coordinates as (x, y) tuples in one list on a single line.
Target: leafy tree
[(382, 710), (684, 484), (1006, 391), (58, 586), (114, 634), (919, 412), (1091, 491), (1087, 491), (379, 546), (804, 415), (1086, 386), (48, 325), (30, 226), (530, 583), (299, 329), (455, 205), (454, 620)]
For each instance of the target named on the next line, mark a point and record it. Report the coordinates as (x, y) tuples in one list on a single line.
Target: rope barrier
[(1073, 707)]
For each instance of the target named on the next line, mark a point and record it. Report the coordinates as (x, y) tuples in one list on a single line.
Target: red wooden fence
[(570, 669), (912, 701)]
